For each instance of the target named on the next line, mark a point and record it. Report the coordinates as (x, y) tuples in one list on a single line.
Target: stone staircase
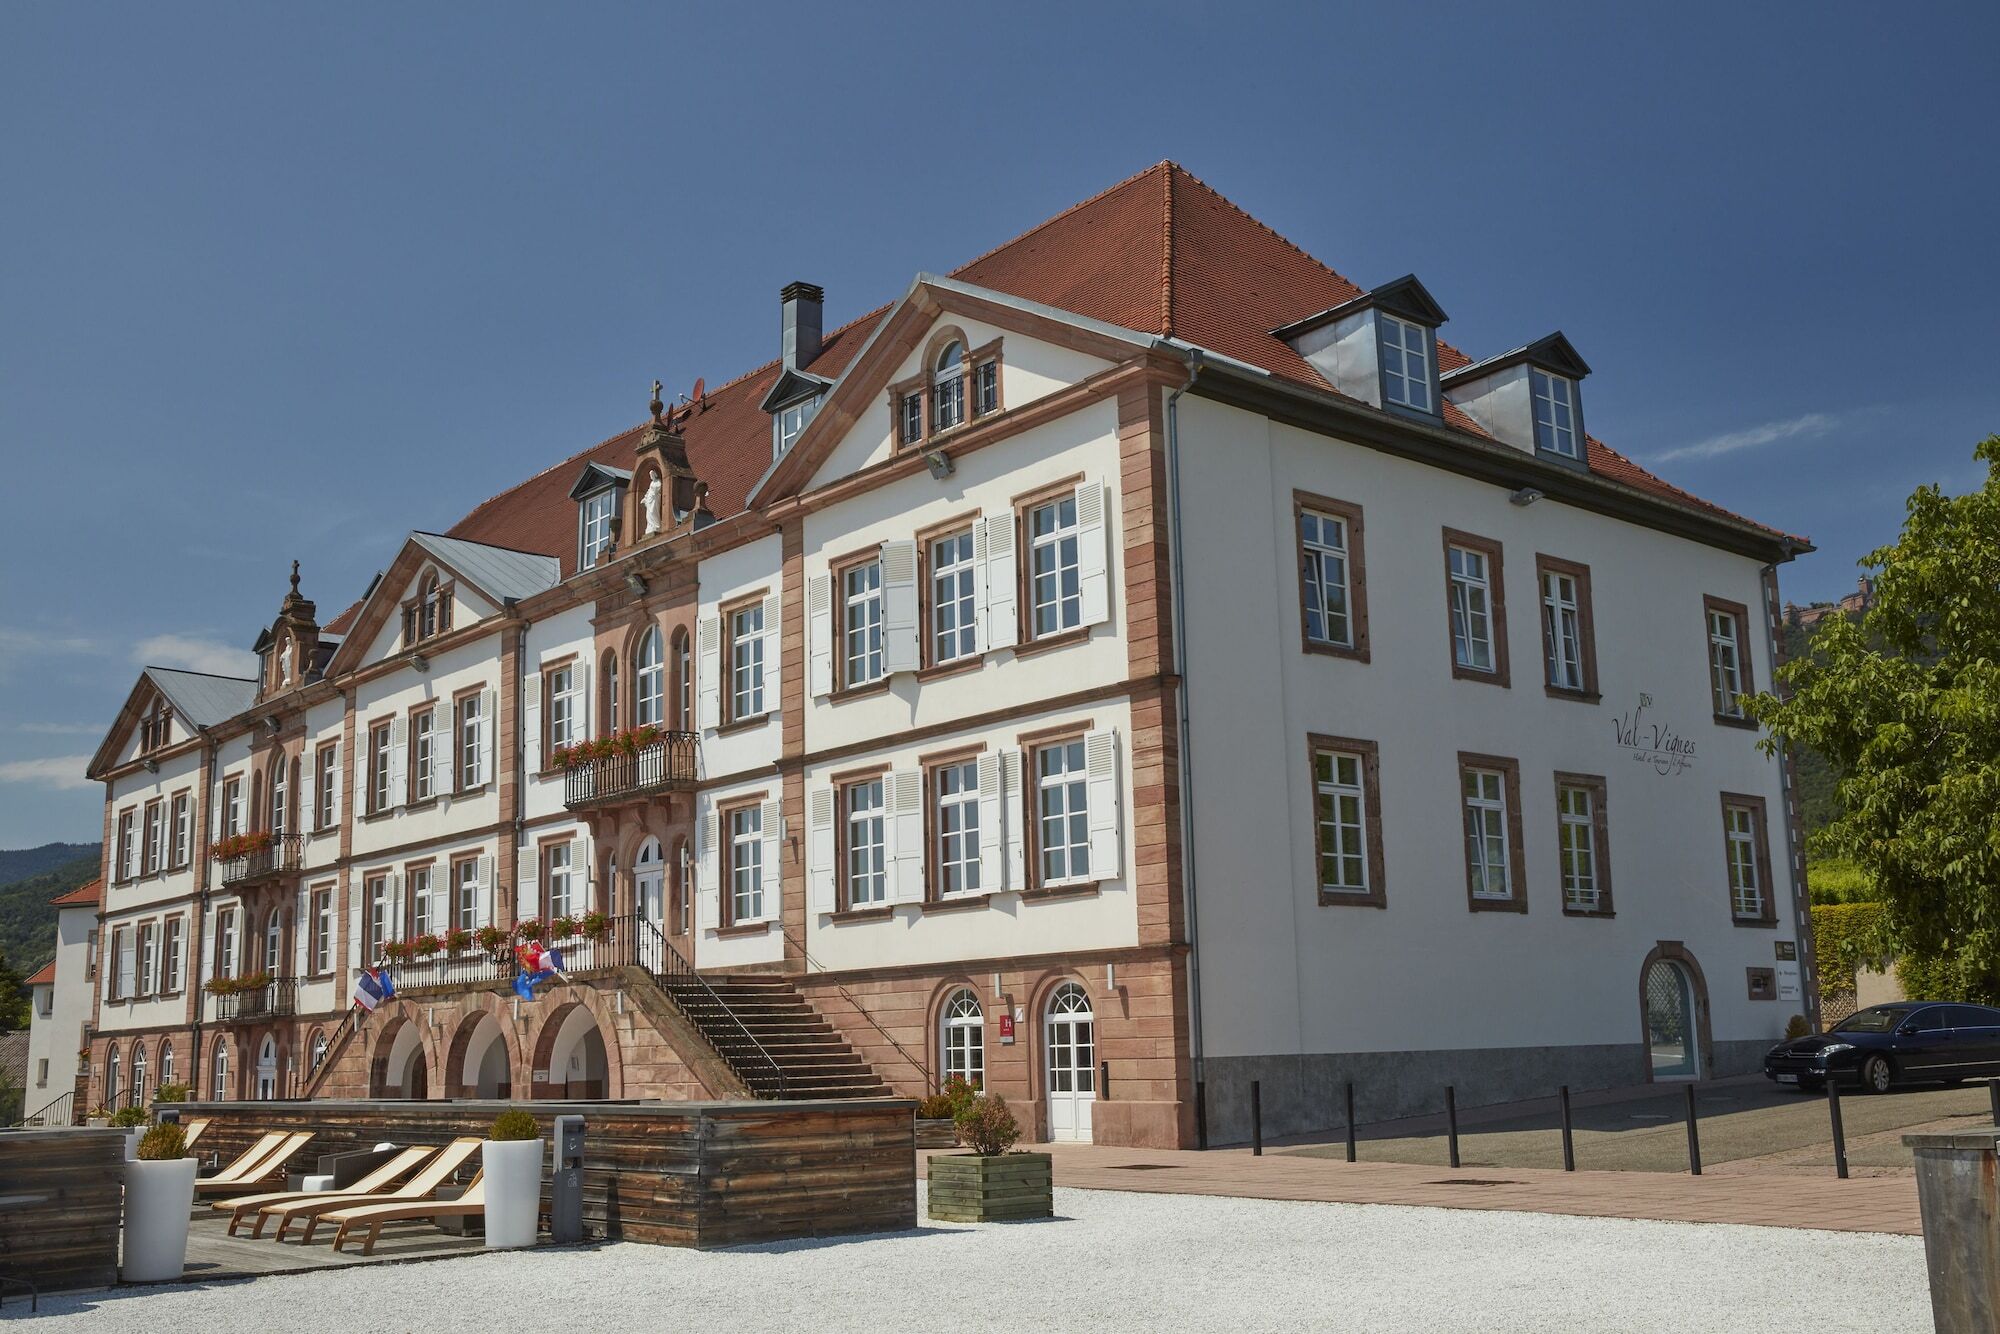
[(748, 1019)]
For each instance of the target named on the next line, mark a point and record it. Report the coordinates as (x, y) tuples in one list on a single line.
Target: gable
[(473, 580)]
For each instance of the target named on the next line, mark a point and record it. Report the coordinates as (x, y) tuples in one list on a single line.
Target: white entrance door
[(267, 1070), (1072, 1045), (649, 880)]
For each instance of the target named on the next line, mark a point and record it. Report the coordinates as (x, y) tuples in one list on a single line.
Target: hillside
[(27, 922)]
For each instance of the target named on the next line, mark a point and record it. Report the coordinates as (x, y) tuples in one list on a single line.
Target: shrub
[(163, 1143), (594, 925), (986, 1126), (948, 1102), (130, 1118), (1796, 1027), (1846, 936), (937, 1107), (514, 1124), (172, 1093)]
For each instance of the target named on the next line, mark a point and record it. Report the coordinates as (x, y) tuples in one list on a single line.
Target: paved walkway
[(1877, 1204)]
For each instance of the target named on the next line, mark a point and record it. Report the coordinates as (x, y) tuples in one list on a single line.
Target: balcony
[(665, 764), (251, 859), (276, 999)]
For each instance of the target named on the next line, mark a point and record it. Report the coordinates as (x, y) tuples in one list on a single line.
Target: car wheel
[(1877, 1075)]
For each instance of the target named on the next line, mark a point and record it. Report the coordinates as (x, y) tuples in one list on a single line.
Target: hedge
[(1845, 936)]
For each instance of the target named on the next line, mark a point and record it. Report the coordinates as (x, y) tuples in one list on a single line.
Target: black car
[(1886, 1045)]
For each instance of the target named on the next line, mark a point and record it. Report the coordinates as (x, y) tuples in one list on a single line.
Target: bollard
[(1104, 1080), (1839, 1134), (1694, 1135), (1451, 1121), (1569, 1139), (1993, 1096), (1350, 1120), (1256, 1119)]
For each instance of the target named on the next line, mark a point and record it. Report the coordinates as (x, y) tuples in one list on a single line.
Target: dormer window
[(792, 423), (430, 614), (153, 728), (1408, 358), (594, 526), (954, 384), (1555, 413), (948, 388)]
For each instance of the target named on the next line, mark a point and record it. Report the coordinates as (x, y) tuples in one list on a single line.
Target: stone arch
[(399, 1066), (221, 1074), (934, 1012), (576, 1051), (1036, 1038), (1674, 952), (482, 1057)]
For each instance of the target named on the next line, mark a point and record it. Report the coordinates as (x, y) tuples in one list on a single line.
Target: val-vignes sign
[(1651, 743)]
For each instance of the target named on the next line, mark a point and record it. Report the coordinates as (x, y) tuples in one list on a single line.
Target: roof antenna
[(657, 406)]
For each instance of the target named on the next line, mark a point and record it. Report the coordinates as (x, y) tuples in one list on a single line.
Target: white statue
[(285, 663), (651, 504)]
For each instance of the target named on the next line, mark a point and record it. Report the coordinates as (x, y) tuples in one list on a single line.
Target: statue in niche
[(285, 662), (650, 503)]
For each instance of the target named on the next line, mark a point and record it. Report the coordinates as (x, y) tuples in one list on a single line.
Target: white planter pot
[(159, 1196), (132, 1138), (513, 1183)]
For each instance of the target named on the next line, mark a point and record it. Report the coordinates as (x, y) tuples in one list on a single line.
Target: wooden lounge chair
[(191, 1130), (252, 1175), (450, 1158), (250, 1157), (379, 1179), (371, 1217)]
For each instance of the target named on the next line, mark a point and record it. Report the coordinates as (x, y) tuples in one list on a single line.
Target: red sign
[(1006, 1028)]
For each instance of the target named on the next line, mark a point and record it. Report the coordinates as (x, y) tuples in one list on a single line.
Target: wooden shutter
[(527, 885), (708, 889), (819, 633), (773, 677), (308, 793), (362, 792), (993, 813), (819, 850), (1010, 798), (1001, 618), (395, 929), (489, 724), (531, 721), (902, 793), (708, 673), (899, 607), (485, 887), (334, 773), (770, 819), (444, 746), (1093, 553), (399, 762), (1100, 766)]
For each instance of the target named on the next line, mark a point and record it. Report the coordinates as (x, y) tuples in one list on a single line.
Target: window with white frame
[(281, 792), (684, 681), (562, 708), (1471, 610), (128, 846), (910, 418), (149, 959), (746, 661), (1486, 833), (1340, 808), (183, 830), (221, 1093), (1324, 578), (1555, 413), (609, 715), (1407, 354), (650, 697), (377, 893), (378, 767), (322, 932), (467, 891), (955, 789), (1562, 630), (1062, 809), (225, 943), (746, 863), (561, 879), (792, 421), (170, 962), (1054, 584), (323, 793), (595, 526), (948, 388), (232, 807), (1746, 885), (471, 741), (1576, 843), (274, 940), (422, 739), (156, 837), (319, 1046), (954, 598), (418, 878), (128, 962), (866, 866), (166, 1062), (963, 1041), (861, 623), (1725, 663)]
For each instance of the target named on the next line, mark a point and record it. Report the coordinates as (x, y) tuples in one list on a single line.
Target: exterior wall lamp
[(1525, 497), (939, 463)]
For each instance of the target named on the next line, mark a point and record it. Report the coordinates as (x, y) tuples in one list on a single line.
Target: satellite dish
[(700, 388)]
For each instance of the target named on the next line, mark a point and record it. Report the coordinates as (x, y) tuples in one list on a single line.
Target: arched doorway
[(406, 1074), (267, 1069), (111, 1079), (962, 1040), (479, 1066), (577, 1067), (649, 890), (138, 1075), (1069, 1034), (1673, 1020)]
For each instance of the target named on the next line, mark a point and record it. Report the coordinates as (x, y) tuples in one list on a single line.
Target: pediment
[(479, 580)]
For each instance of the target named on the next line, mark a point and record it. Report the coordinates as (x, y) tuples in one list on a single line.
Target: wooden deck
[(213, 1254)]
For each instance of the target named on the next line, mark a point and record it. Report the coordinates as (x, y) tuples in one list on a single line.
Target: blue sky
[(282, 282)]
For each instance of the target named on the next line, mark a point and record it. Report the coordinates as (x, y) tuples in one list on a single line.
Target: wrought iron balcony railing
[(664, 765), (276, 999), (285, 852)]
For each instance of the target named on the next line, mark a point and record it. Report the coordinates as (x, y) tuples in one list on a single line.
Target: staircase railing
[(676, 975), (59, 1111), (853, 1001)]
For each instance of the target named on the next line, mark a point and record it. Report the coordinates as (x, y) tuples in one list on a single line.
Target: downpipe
[(1177, 568)]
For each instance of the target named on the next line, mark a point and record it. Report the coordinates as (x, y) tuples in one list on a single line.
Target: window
[(183, 830), (1333, 602), (955, 819), (156, 837), (1746, 846), (746, 660), (471, 741), (861, 623), (128, 846), (418, 878), (1056, 593), (964, 1039), (281, 792), (1581, 854), (746, 857), (274, 941), (954, 590), (1346, 823), (153, 728), (560, 880), (422, 768), (864, 864), (683, 681), (232, 807), (378, 768), (650, 702), (225, 943), (149, 959), (948, 388), (319, 1046), (986, 388), (467, 875), (1555, 413), (322, 931), (170, 965), (375, 894), (221, 1072), (594, 524), (610, 712), (792, 422), (1490, 793), (1477, 608), (111, 1078), (42, 1071), (1062, 810), (1728, 671), (910, 417), (1569, 653), (431, 614), (557, 690), (323, 793), (138, 1075), (1406, 363)]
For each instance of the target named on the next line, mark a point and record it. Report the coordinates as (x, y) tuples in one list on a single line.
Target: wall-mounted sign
[(1788, 982), (1006, 1028), (1787, 949), (1651, 742)]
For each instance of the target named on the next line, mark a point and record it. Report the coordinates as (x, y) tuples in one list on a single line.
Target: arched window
[(222, 1072), (274, 939), (683, 683), (318, 1049), (610, 711), (138, 1075), (280, 795), (428, 608), (963, 1042), (948, 388), (111, 1078), (650, 699), (166, 1062)]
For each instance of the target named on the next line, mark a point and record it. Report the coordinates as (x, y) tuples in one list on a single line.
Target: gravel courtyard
[(1111, 1260)]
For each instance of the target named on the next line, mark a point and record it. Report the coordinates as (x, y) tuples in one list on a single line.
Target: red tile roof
[(1160, 252), (82, 894), (45, 976)]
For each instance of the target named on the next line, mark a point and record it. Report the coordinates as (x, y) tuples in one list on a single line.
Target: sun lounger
[(371, 1217), (419, 1187), (252, 1175), (191, 1130), (250, 1157), (379, 1179)]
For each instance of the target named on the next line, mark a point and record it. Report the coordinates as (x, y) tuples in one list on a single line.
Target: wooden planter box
[(969, 1188), (936, 1133)]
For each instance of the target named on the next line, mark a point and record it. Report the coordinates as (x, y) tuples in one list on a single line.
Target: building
[(1139, 664), (1850, 604), (60, 1015)]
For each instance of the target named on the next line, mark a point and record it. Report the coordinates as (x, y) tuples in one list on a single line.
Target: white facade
[(60, 1011)]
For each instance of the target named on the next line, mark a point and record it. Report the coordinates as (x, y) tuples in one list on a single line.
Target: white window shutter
[(1010, 798), (399, 761), (708, 673), (899, 607), (1100, 766), (308, 785), (904, 791), (819, 633), (335, 773), (773, 636), (531, 721), (770, 817), (361, 788), (489, 725), (485, 884), (209, 931), (396, 914), (527, 886), (819, 850), (1002, 620), (993, 811), (582, 690), (444, 747), (708, 889), (354, 928), (1093, 552), (301, 935)]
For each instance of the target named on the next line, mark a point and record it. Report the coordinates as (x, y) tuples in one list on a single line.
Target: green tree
[(1904, 704), (14, 1009)]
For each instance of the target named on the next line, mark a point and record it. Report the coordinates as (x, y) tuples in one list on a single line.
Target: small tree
[(14, 1008), (1905, 705)]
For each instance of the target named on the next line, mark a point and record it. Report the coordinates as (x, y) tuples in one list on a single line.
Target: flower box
[(980, 1188)]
